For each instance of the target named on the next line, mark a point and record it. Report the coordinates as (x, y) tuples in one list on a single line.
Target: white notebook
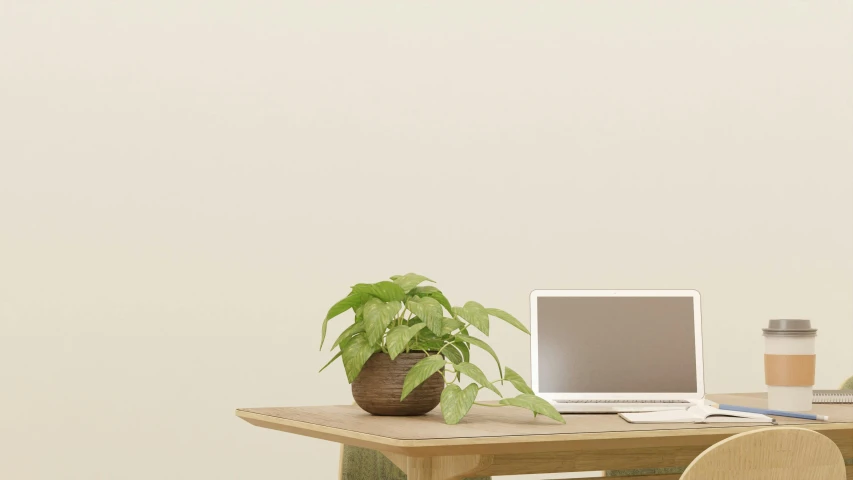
[(697, 414)]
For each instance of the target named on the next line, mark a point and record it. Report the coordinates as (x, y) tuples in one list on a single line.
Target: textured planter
[(379, 385)]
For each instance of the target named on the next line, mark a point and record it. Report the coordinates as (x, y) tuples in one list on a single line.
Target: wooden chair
[(847, 384), (775, 453)]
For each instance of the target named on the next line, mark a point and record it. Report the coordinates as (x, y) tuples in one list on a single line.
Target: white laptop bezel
[(554, 396)]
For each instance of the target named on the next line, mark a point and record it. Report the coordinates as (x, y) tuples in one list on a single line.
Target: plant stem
[(488, 404)]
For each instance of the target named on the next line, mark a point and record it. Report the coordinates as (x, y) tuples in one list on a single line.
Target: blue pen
[(763, 411)]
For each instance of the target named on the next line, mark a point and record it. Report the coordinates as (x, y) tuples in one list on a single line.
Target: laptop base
[(585, 407)]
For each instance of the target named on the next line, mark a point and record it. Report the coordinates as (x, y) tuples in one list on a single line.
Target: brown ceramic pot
[(379, 385)]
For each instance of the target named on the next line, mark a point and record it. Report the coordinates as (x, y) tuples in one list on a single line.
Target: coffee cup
[(789, 364)]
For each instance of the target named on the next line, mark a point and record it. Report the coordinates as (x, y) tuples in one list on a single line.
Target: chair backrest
[(775, 453)]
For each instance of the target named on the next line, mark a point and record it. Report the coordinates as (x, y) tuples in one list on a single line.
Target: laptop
[(613, 351)]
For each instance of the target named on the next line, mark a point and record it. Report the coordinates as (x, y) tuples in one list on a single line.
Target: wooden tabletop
[(490, 430)]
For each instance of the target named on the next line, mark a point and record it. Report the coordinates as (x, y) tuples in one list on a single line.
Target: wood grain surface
[(784, 453)]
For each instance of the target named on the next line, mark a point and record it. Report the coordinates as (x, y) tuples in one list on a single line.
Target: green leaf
[(448, 325), (475, 314), (350, 331), (508, 319), (429, 345), (409, 281), (353, 300), (347, 341), (515, 379), (479, 343), (377, 316), (330, 361), (443, 301), (452, 353), (356, 352), (432, 292), (479, 316), (463, 348), (456, 402), (384, 290), (474, 372), (535, 405), (429, 310), (420, 372), (424, 291), (426, 340), (399, 337)]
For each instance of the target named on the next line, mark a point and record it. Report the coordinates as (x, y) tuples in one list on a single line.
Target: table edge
[(352, 437), (313, 427)]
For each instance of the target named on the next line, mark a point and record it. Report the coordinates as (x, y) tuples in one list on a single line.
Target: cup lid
[(788, 327)]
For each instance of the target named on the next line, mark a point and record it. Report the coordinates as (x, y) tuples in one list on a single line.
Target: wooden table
[(509, 441)]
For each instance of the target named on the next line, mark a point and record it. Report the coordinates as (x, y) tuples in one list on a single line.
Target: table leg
[(454, 467), (419, 468)]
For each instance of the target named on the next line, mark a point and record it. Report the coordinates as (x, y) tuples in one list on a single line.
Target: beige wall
[(186, 187)]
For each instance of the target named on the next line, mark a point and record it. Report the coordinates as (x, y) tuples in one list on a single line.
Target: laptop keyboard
[(623, 401)]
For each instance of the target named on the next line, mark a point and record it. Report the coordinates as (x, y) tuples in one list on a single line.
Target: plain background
[(186, 187)]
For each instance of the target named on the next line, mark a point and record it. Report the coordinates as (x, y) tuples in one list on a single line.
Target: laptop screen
[(616, 345)]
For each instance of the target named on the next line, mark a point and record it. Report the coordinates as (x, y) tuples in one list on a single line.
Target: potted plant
[(408, 350)]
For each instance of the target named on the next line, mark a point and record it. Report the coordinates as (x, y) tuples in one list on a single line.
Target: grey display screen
[(616, 345)]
